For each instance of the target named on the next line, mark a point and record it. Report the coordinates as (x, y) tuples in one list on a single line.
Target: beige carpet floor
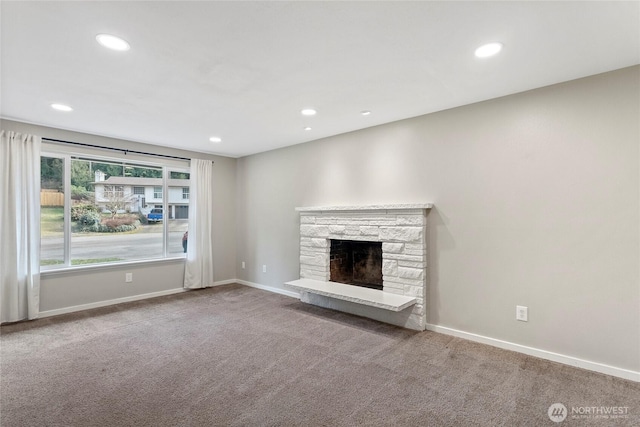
[(238, 356)]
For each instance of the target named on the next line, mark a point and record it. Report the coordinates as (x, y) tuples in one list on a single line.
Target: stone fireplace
[(344, 243)]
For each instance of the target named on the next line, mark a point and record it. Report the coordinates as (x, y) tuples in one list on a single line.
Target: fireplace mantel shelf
[(365, 207), (356, 294)]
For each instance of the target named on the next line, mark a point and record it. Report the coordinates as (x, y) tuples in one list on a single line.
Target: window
[(178, 184), (111, 191), (52, 212), (93, 212)]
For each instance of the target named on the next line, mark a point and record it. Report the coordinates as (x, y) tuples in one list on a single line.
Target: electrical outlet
[(243, 265), (522, 313), (264, 268), (128, 277)]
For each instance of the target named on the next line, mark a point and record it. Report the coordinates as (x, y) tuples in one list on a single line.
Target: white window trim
[(67, 156)]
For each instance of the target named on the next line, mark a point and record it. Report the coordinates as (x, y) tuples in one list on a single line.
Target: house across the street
[(142, 194)]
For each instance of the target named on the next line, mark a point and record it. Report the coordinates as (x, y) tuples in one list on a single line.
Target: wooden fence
[(51, 198)]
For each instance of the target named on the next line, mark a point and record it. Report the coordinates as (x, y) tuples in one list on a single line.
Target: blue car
[(155, 215)]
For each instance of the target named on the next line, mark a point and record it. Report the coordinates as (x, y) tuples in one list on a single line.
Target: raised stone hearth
[(402, 230)]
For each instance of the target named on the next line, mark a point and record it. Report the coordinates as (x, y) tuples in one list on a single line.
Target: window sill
[(111, 266)]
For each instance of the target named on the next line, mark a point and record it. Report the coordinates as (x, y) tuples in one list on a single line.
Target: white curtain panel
[(198, 272), (19, 226)]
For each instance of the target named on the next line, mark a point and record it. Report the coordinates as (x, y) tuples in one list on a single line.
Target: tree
[(81, 175), (179, 175), (117, 200), (140, 172), (51, 170), (109, 169)]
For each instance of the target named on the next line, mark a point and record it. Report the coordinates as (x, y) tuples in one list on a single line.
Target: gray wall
[(60, 290), (536, 203)]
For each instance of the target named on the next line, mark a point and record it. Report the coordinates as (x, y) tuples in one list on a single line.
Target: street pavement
[(146, 243)]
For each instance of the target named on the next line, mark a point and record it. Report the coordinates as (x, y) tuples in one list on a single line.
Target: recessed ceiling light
[(488, 49), (307, 128), (308, 112), (365, 112), (61, 107), (215, 139), (112, 42)]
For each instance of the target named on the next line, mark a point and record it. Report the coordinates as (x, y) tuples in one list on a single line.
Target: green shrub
[(80, 193), (124, 227), (93, 222), (102, 228), (142, 218), (78, 211), (117, 222), (89, 219)]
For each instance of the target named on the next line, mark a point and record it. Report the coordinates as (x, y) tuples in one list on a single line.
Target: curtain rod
[(122, 150)]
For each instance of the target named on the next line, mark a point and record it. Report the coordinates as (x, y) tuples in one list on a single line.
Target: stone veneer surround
[(402, 229)]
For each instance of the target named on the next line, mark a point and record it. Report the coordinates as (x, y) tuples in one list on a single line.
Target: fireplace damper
[(356, 263)]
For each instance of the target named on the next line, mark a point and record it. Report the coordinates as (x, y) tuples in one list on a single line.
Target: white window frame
[(66, 177)]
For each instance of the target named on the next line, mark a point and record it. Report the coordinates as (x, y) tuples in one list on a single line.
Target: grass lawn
[(51, 220), (52, 228)]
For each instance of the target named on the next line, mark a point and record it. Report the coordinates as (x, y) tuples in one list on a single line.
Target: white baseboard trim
[(531, 351), (269, 288), (543, 354), (99, 304), (225, 282)]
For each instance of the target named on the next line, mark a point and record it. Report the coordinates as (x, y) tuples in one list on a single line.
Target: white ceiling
[(244, 70)]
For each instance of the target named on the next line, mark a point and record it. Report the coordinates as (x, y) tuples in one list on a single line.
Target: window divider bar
[(165, 211), (66, 177)]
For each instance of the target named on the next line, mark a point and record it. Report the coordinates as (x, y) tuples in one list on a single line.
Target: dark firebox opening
[(356, 263)]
